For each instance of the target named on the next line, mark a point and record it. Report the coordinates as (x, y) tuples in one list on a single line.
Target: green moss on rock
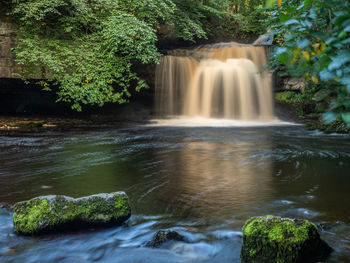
[(55, 212), (282, 240)]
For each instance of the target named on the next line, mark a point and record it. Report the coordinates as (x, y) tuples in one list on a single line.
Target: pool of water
[(203, 182)]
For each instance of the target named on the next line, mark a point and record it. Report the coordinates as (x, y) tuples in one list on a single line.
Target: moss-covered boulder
[(282, 240), (57, 212)]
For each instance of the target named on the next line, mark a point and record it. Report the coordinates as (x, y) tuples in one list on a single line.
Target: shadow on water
[(204, 182)]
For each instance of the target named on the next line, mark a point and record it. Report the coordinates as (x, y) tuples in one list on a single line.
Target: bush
[(314, 39)]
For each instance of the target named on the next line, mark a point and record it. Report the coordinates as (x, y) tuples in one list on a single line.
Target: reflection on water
[(204, 182), (211, 175)]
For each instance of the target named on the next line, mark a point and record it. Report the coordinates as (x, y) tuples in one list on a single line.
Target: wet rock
[(265, 39), (57, 212), (21, 124), (294, 84), (276, 239), (327, 226), (163, 236), (9, 252), (6, 206)]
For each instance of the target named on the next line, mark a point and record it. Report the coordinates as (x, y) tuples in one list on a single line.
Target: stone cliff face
[(8, 68)]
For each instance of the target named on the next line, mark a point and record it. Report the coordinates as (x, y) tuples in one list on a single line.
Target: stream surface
[(202, 182)]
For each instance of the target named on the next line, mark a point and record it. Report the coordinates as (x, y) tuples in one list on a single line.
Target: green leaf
[(307, 3), (284, 17), (346, 41), (346, 117), (346, 82), (291, 22), (341, 59), (306, 23), (320, 34), (270, 3), (340, 17), (342, 35), (312, 14), (325, 75), (321, 95), (330, 40), (303, 43), (282, 55), (329, 117)]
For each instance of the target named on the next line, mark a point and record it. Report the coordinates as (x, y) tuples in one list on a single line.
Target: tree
[(87, 47)]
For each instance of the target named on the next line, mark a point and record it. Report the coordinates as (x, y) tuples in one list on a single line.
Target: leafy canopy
[(87, 48)]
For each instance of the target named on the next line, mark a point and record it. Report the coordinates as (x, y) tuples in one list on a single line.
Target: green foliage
[(314, 39), (303, 104), (87, 48), (313, 94), (243, 20), (291, 97), (310, 106), (246, 26)]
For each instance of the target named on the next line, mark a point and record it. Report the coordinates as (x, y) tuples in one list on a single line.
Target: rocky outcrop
[(283, 240), (8, 68), (265, 39), (57, 212), (163, 236), (293, 84)]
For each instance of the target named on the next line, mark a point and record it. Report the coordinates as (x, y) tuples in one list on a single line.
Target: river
[(203, 182)]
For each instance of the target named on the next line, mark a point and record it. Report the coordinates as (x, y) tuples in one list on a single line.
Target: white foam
[(211, 122)]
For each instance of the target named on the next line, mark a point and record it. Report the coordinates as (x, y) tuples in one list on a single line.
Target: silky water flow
[(221, 81)]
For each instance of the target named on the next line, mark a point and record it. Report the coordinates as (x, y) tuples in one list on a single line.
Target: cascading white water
[(173, 76), (221, 81)]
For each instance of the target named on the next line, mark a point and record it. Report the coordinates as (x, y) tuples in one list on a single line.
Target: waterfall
[(224, 80)]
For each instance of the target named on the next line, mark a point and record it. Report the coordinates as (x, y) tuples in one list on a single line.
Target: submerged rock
[(163, 236), (276, 239), (58, 212)]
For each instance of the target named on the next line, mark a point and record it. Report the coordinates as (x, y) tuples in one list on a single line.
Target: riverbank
[(42, 123), (286, 109), (307, 110), (124, 114)]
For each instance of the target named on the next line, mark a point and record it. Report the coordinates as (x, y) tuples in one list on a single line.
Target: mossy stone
[(57, 212), (282, 240)]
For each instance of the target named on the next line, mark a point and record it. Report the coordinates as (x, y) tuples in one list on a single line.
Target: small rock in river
[(327, 226), (9, 252), (276, 239), (6, 206), (163, 236), (58, 212)]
